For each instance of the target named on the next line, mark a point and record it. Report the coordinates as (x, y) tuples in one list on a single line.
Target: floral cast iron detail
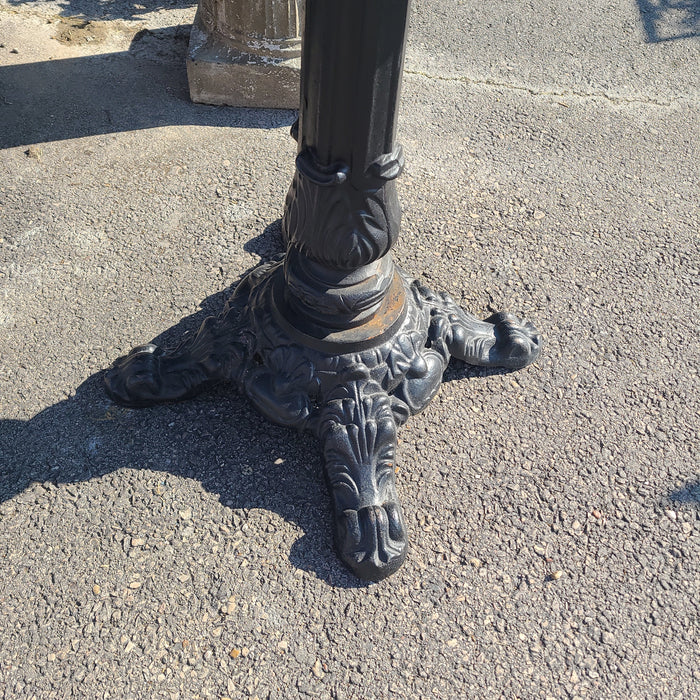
[(333, 222), (353, 401), (339, 226), (358, 432)]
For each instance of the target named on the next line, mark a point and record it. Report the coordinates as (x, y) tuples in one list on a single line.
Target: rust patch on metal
[(374, 331)]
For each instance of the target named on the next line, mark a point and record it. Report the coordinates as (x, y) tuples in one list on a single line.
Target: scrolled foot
[(502, 340), (372, 541), (149, 375), (135, 380), (358, 431), (518, 343)]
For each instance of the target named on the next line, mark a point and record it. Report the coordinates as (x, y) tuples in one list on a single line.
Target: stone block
[(227, 65)]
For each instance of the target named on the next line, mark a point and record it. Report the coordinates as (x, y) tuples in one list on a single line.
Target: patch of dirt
[(75, 31)]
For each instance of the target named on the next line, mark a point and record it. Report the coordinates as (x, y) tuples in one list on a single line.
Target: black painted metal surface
[(333, 337)]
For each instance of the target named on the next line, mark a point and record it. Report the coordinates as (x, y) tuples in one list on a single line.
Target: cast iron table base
[(333, 337), (353, 401)]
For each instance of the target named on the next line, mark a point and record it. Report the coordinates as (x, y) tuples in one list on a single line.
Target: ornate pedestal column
[(333, 337), (246, 53)]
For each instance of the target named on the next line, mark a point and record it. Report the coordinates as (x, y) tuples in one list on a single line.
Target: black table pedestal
[(333, 337)]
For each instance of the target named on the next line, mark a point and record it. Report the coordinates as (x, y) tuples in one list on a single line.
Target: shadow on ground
[(663, 20), (688, 494), (216, 439), (668, 20), (142, 88), (111, 9)]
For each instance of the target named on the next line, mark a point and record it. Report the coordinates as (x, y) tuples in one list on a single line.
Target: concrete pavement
[(184, 551)]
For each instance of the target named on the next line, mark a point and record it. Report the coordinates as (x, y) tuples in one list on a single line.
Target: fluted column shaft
[(342, 213), (253, 19)]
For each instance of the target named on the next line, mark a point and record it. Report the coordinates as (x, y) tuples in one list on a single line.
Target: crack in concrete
[(489, 82)]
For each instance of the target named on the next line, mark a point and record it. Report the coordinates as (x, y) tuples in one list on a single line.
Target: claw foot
[(372, 541), (502, 340), (135, 380), (149, 375), (358, 431), (518, 343)]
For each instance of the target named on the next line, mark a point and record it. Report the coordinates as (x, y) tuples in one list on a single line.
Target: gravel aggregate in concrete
[(184, 551)]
